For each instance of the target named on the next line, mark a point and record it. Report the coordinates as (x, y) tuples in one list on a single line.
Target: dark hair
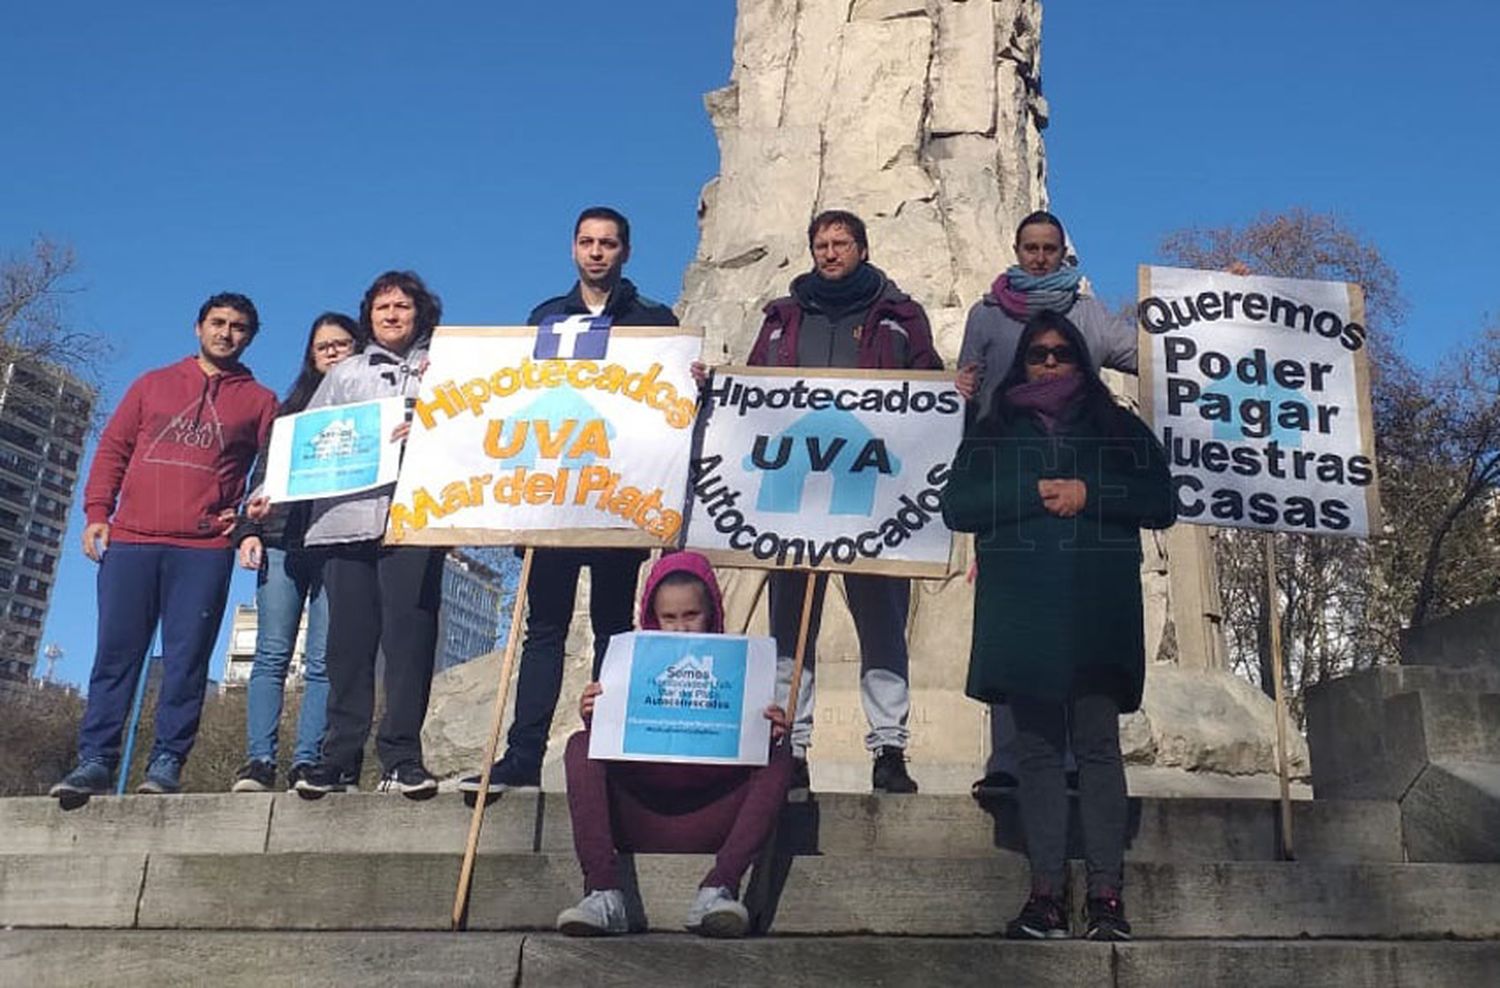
[(310, 377), (232, 300), (622, 225), (1042, 216), (1098, 404), (839, 217), (682, 578), (429, 306)]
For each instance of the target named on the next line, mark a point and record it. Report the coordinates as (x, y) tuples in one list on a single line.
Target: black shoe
[(889, 773), (1070, 779), (993, 784), (511, 772), (321, 780), (1106, 919), (411, 780), (801, 781), (1042, 918), (296, 774), (257, 775)]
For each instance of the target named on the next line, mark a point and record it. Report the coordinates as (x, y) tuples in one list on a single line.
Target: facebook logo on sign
[(572, 338)]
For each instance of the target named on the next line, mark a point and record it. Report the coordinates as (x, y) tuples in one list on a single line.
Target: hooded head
[(690, 572)]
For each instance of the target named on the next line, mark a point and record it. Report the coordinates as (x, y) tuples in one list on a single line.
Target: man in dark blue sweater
[(601, 246)]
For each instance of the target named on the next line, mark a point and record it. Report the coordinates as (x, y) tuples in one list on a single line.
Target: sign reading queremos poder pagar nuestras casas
[(825, 469), (574, 433), (1260, 391)]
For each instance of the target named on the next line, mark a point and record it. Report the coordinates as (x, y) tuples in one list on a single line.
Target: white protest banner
[(574, 433), (825, 469), (1260, 391), (334, 450), (685, 698)]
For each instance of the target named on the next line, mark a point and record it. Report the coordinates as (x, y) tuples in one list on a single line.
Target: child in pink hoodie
[(652, 807)]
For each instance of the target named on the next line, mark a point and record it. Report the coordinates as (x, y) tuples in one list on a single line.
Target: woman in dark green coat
[(1056, 480)]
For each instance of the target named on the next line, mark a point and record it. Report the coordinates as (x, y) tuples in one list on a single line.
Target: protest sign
[(574, 433), (825, 469), (334, 450), (685, 698), (1260, 391)]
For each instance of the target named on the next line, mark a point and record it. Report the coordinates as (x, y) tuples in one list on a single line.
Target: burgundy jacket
[(893, 314)]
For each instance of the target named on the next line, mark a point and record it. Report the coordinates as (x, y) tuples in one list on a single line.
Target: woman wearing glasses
[(289, 575), (1056, 480)]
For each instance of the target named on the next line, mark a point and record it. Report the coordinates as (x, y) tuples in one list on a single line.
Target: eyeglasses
[(333, 346), (1037, 354)]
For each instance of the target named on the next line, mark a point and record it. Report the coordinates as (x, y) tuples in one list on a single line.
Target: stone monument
[(925, 117)]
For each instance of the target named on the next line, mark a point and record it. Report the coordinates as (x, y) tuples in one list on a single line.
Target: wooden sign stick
[(1283, 765), (502, 693), (796, 684)]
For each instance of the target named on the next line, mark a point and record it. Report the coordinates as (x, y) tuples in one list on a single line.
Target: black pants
[(550, 592), (386, 600), (1041, 738)]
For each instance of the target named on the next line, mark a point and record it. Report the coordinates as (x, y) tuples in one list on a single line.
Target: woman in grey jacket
[(380, 598)]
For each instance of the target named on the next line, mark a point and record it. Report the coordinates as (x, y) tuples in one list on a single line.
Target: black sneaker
[(255, 776), (993, 784), (889, 773), (1042, 918), (801, 780), (321, 780), (411, 780), (510, 772), (1106, 919), (296, 774)]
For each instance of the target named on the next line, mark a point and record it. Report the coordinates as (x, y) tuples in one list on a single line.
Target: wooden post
[(1283, 766), (502, 693), (796, 684)]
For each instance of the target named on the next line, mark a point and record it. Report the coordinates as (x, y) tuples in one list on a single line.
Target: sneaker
[(1106, 918), (89, 778), (597, 914), (411, 780), (801, 781), (296, 774), (321, 780), (889, 773), (993, 784), (1042, 918), (163, 776), (257, 775), (510, 772), (716, 913)]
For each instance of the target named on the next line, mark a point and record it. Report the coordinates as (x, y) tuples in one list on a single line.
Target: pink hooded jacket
[(682, 562)]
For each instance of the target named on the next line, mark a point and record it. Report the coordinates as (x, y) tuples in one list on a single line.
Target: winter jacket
[(626, 307), (991, 335), (175, 454), (1057, 601), (893, 334), (375, 373)]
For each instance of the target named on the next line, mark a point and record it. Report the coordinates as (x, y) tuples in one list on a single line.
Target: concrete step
[(1452, 812), (829, 894), (830, 824), (65, 959)]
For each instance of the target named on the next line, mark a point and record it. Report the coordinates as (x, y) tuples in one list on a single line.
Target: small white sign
[(334, 450)]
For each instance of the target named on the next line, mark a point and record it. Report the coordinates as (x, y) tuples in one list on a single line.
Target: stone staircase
[(272, 889)]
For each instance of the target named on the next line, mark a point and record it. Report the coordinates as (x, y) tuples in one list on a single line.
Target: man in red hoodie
[(160, 499)]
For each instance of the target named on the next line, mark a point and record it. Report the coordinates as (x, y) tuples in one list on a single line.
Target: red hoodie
[(682, 562), (176, 452)]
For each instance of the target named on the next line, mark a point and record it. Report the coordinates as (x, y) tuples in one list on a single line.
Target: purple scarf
[(1049, 400)]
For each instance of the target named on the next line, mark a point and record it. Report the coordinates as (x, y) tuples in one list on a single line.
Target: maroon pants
[(725, 810)]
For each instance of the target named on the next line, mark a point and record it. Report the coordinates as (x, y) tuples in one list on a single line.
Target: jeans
[(878, 605), (138, 584), (550, 591), (286, 580), (382, 600)]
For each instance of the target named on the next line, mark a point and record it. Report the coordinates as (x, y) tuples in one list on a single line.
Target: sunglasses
[(1037, 354)]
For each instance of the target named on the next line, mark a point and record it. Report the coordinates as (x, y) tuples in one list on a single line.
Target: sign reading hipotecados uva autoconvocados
[(573, 433), (825, 469), (1260, 390)]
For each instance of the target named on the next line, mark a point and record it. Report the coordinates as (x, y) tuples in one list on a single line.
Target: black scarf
[(858, 290)]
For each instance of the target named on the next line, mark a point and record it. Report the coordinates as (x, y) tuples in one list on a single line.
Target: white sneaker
[(715, 913), (597, 914)]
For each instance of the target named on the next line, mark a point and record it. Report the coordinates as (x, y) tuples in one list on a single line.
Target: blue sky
[(294, 151)]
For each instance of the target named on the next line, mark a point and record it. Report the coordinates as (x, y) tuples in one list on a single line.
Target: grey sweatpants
[(878, 605), (1042, 732)]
